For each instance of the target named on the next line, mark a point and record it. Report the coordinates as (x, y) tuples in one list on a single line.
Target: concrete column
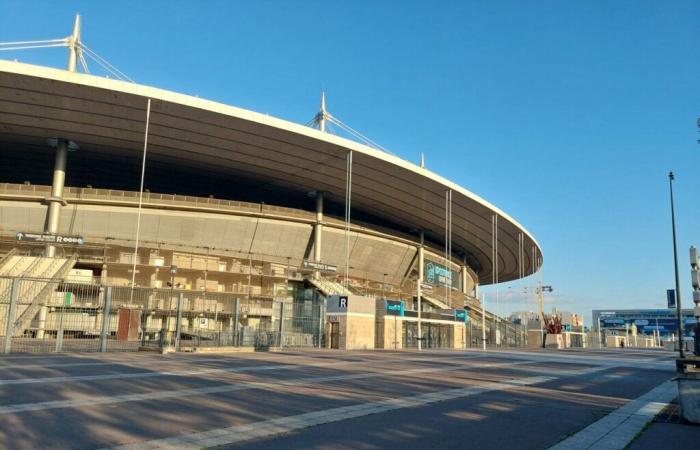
[(55, 201), (104, 332), (464, 279), (43, 311), (318, 230), (419, 289)]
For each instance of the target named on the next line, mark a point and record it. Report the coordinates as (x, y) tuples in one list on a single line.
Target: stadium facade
[(241, 222)]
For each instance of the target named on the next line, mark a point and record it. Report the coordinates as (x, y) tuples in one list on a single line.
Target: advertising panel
[(439, 275)]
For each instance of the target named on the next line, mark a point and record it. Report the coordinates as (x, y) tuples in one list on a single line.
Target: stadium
[(132, 215)]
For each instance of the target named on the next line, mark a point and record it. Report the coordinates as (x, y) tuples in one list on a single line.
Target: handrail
[(6, 258), (28, 314)]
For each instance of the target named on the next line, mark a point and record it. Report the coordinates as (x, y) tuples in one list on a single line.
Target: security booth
[(350, 322)]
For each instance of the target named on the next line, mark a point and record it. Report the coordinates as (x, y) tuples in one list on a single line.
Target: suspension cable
[(106, 64), (44, 41), (138, 219), (348, 200), (28, 47)]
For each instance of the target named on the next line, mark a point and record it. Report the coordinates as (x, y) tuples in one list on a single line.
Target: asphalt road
[(318, 399)]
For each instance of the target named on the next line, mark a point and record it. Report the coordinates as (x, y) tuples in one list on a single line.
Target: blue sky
[(567, 115)]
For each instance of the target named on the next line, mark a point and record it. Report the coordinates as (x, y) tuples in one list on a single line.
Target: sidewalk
[(667, 431)]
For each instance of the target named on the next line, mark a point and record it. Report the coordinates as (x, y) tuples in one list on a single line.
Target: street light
[(681, 354)]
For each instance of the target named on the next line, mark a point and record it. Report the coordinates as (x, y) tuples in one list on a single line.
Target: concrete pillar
[(464, 279), (43, 311), (318, 230), (55, 201), (419, 289), (104, 332)]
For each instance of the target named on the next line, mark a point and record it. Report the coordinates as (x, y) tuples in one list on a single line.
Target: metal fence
[(43, 315)]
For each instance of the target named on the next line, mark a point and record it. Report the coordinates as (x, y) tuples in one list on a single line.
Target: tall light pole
[(675, 260)]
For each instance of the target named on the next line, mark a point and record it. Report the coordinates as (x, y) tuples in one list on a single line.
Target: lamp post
[(679, 320), (540, 290)]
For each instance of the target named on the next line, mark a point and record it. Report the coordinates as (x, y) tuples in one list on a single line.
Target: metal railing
[(52, 315)]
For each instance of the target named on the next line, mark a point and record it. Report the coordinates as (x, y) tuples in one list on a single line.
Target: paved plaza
[(328, 399)]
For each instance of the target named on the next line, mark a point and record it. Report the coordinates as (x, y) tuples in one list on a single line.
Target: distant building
[(646, 320), (530, 319)]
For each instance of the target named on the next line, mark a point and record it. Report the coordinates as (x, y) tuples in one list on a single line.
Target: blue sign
[(438, 275), (394, 307), (671, 298), (461, 315)]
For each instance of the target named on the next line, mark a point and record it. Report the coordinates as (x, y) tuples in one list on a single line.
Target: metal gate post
[(178, 323), (59, 334), (9, 325), (235, 324), (281, 323), (106, 316), (320, 324)]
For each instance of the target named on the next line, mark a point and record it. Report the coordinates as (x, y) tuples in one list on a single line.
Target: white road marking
[(267, 428), (617, 429), (210, 370), (230, 387)]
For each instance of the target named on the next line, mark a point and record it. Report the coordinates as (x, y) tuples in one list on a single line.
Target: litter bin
[(688, 376)]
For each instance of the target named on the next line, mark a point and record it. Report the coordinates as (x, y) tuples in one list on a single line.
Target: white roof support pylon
[(322, 115), (74, 49)]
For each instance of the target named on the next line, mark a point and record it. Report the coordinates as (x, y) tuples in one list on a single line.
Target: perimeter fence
[(48, 315)]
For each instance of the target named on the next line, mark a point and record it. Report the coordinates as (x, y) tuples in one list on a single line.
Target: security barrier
[(86, 317)]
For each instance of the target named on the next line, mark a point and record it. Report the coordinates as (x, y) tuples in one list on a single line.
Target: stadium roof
[(108, 116)]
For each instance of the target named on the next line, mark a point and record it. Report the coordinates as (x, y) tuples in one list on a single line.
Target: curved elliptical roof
[(42, 102)]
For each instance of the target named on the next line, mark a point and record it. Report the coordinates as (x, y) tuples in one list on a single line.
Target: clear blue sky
[(567, 115)]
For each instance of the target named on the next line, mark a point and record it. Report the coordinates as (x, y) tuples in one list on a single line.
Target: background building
[(647, 321)]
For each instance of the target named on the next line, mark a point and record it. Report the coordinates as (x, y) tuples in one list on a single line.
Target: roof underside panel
[(210, 147)]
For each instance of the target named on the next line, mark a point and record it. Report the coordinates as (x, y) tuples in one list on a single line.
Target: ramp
[(328, 287)]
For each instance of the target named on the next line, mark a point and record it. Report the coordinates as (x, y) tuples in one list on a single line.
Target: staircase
[(38, 278), (328, 287)]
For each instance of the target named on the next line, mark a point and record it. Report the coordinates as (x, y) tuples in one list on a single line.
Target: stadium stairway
[(328, 287), (39, 277)]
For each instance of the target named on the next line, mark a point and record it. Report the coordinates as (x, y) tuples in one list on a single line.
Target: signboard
[(439, 275), (426, 287), (461, 315), (68, 299), (318, 266), (50, 238), (394, 308), (343, 302), (671, 298)]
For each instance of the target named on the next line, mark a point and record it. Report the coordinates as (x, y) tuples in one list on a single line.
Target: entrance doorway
[(335, 335)]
